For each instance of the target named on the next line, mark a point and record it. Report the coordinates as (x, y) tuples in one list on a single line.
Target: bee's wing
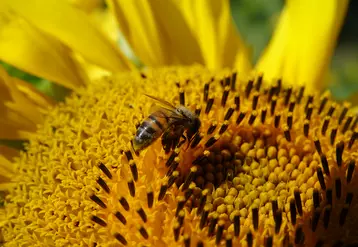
[(162, 102), (167, 108)]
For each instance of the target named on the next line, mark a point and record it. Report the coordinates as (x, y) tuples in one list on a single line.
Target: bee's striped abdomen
[(150, 130)]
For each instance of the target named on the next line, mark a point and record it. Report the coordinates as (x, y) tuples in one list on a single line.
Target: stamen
[(143, 232), (212, 224), (173, 167), (333, 135), (196, 140), (198, 110), (212, 127), (331, 110), (298, 201), (176, 230), (319, 243), (309, 102), (325, 125), (317, 144), (263, 114), (187, 240), (350, 171), (316, 199), (233, 81), (269, 241), (240, 117), (225, 96), (299, 236), (202, 201), (163, 190), (286, 132), (209, 104), (343, 114), (237, 102), (189, 178), (172, 178), (349, 198), (143, 75), (141, 213), (223, 127), (309, 112), (339, 153), (98, 201), (329, 197), (129, 155), (204, 215), (323, 103), (105, 170), (120, 238), (228, 241), (181, 217), (343, 215), (347, 123), (124, 203), (325, 164), (180, 205), (190, 190), (293, 211), (206, 92), (121, 217), (321, 178), (259, 82), (199, 244), (315, 219), (289, 120), (229, 113), (300, 94), (338, 188), (352, 140), (273, 105), (181, 96), (306, 127), (291, 106), (252, 117), (255, 218), (277, 120), (134, 170), (288, 96), (249, 239), (171, 159), (249, 87), (98, 220), (131, 187), (103, 184), (237, 224), (219, 232), (278, 221), (255, 100), (326, 216), (211, 141), (274, 205)]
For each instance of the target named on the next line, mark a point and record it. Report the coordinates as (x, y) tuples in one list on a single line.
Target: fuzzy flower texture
[(273, 163)]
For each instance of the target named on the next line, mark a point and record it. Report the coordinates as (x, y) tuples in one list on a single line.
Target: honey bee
[(168, 121)]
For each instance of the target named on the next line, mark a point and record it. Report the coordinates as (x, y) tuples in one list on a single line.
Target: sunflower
[(273, 163)]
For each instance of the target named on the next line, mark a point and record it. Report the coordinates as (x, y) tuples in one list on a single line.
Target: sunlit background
[(256, 21)]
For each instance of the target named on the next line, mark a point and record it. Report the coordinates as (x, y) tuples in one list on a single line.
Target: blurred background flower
[(256, 21)]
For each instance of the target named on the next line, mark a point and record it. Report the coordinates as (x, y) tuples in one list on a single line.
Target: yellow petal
[(73, 27), (6, 169), (8, 152), (140, 27), (24, 46), (220, 43), (20, 107), (183, 43), (301, 48)]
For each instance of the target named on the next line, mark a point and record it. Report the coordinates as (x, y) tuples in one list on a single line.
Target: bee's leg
[(167, 141)]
